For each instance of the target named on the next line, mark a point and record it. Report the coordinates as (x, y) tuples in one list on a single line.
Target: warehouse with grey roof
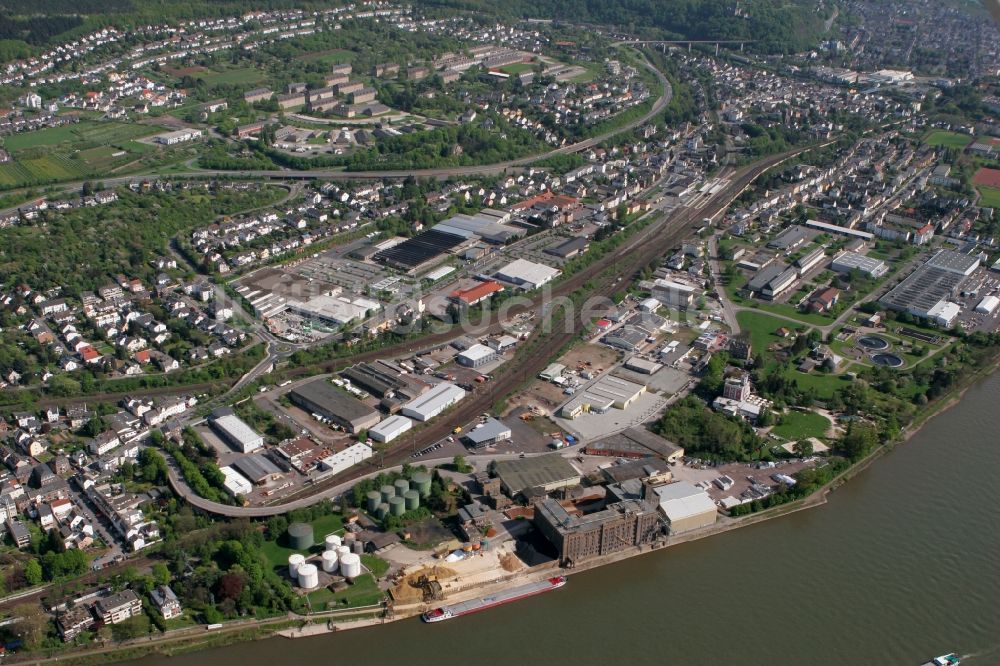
[(321, 397)]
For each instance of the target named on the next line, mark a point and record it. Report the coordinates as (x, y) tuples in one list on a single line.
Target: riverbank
[(198, 638)]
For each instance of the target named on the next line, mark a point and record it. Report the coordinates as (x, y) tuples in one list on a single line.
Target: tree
[(161, 574), (803, 448), (31, 624), (134, 627), (458, 462), (33, 572)]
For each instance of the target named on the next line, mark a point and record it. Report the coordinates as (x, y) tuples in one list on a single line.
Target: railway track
[(648, 245)]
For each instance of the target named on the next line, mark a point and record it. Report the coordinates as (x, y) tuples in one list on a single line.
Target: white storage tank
[(308, 576), (331, 542), (350, 565), (330, 561), (294, 562), (341, 551)]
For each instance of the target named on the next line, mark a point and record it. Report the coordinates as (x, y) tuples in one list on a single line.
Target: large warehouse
[(420, 252), (432, 403), (235, 432), (602, 395), (352, 455), (321, 397), (636, 443), (527, 274), (390, 428), (476, 356), (845, 262), (685, 507), (545, 473), (925, 292)]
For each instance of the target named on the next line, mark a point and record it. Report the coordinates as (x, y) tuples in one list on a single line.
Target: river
[(902, 563)]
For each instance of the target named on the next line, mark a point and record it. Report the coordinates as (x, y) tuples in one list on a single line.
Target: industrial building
[(487, 225), (845, 262), (685, 507), (837, 229), (636, 443), (811, 259), (988, 305), (602, 395), (577, 538), (673, 294), (476, 356), (435, 401), (236, 483), (352, 455), (789, 239), (235, 432), (177, 136), (390, 428), (527, 274), (321, 397), (488, 433), (925, 292), (420, 252), (256, 468), (570, 248), (539, 473), (335, 310), (641, 365), (475, 295), (375, 379)]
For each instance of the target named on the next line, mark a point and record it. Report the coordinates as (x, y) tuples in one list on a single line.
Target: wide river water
[(902, 564)]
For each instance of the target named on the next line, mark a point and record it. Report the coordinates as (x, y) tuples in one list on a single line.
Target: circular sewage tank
[(308, 576), (330, 561), (294, 562), (301, 536), (888, 360), (873, 342)]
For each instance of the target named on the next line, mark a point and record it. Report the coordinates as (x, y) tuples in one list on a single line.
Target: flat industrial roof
[(524, 473), (487, 431), (322, 393)]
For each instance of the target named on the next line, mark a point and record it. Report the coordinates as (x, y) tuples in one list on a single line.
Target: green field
[(761, 328), (990, 197), (236, 77), (334, 57), (801, 425), (947, 139), (363, 592), (79, 136)]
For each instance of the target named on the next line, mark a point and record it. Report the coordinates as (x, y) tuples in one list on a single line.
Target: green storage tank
[(372, 500), (381, 510), (397, 506), (422, 482), (412, 499), (300, 536), (387, 492), (401, 486)]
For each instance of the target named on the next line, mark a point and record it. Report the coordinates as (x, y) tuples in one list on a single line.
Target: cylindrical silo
[(358, 548), (341, 551), (382, 509), (331, 542), (301, 536), (330, 561), (401, 486), (308, 576), (350, 565), (412, 499), (397, 506), (294, 562), (373, 499), (387, 492), (422, 482)]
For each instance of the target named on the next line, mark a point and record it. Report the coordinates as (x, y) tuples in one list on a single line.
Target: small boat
[(950, 659)]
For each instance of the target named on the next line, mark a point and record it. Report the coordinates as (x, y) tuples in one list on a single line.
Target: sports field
[(990, 197), (947, 139), (987, 177)]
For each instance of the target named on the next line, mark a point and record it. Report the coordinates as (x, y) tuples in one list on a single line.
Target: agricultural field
[(238, 76), (80, 136), (947, 139)]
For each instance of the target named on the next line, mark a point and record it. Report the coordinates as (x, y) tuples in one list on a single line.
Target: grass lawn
[(990, 197), (277, 550), (332, 57), (761, 328), (824, 384), (376, 565), (948, 139), (786, 310), (801, 425), (364, 592), (50, 136)]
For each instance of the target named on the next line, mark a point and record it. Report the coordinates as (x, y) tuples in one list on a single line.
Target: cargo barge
[(498, 599)]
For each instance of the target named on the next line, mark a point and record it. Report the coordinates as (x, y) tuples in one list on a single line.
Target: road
[(648, 245)]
